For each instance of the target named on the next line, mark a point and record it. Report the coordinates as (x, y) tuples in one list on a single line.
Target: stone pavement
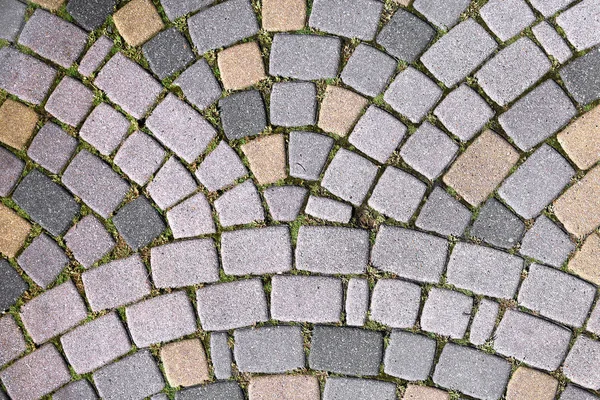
[(299, 199)]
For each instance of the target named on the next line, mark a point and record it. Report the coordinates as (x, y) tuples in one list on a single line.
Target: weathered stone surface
[(199, 84), (243, 114), (24, 76), (444, 14), (552, 42), (221, 168), (578, 208), (579, 365), (354, 18), (266, 157), (443, 214), (573, 392), (285, 202), (581, 77), (168, 52), (349, 176), (358, 389), (409, 356), (178, 8), (185, 363), (405, 36), (377, 134), (104, 128), (139, 223), (581, 24), (340, 108), (138, 21), (549, 7), (497, 225), (172, 183), (507, 18), (219, 390), (11, 168), (368, 70), (12, 339), (484, 322), (357, 301), (581, 139), (12, 19), (328, 209), (289, 387), (585, 261), (283, 15), (293, 103), (527, 383), (139, 157), (13, 232), (220, 354), (80, 390), (241, 66), (43, 260), (240, 205), (546, 242), (307, 154), (446, 313), (395, 303), (52, 148), (95, 55), (412, 94), (91, 14), (70, 101)]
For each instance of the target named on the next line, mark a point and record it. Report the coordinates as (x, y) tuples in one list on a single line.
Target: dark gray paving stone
[(222, 25), (354, 18), (220, 355), (240, 205), (11, 168), (552, 42), (139, 157), (89, 240), (293, 104), (395, 303), (25, 76), (533, 340), (409, 356), (213, 391), (328, 209), (91, 14), (377, 134), (199, 84), (43, 260), (78, 390), (139, 223), (12, 19), (446, 313), (96, 343), (271, 350), (95, 55), (313, 299), (104, 128), (397, 194), (221, 168), (484, 322), (580, 28), (368, 70), (12, 286), (13, 341), (343, 350), (546, 242), (574, 393), (497, 225), (349, 176), (192, 217), (580, 364), (443, 15), (306, 57), (70, 102), (308, 152), (443, 214), (134, 377), (46, 202), (243, 114), (472, 372), (168, 52), (506, 18), (412, 94), (178, 8), (285, 202), (171, 184), (581, 77), (358, 389), (405, 36), (52, 147), (549, 7), (357, 301)]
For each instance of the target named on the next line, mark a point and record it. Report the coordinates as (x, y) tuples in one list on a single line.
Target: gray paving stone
[(354, 18), (395, 303), (43, 260), (117, 283), (512, 71), (285, 202), (538, 115), (139, 157), (580, 364), (78, 390), (546, 242), (256, 251), (12, 19), (377, 134), (581, 77), (104, 128), (91, 14), (313, 299), (357, 301), (409, 356), (217, 391), (139, 223), (293, 104), (349, 176), (96, 343), (484, 270), (272, 350), (13, 341), (220, 354), (472, 372), (221, 168), (443, 214), (240, 205), (574, 393), (539, 343), (368, 70), (168, 52), (506, 18), (328, 209), (581, 24), (70, 102), (95, 55), (549, 7), (171, 184), (52, 147), (593, 323), (306, 57), (46, 202), (178, 8), (484, 322), (405, 36), (11, 168), (497, 225), (53, 312), (231, 305), (192, 217), (536, 182), (412, 94), (199, 84), (25, 76), (446, 313), (358, 389), (134, 377), (552, 42), (308, 152), (243, 114), (397, 194), (443, 15), (12, 286)]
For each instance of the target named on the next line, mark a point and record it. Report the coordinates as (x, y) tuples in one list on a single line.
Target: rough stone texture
[(139, 157), (95, 55), (349, 176), (581, 24), (546, 242), (52, 148), (354, 18), (13, 233), (585, 261), (192, 217), (139, 223), (293, 103), (185, 363), (484, 322), (552, 42), (43, 260), (171, 183), (240, 205), (12, 19), (340, 108), (446, 313), (243, 114), (527, 383), (80, 390), (283, 15), (25, 77), (218, 390), (549, 7), (17, 122), (358, 389), (405, 36), (395, 303), (288, 387), (506, 18), (581, 139), (581, 77), (409, 356), (241, 66), (416, 392), (178, 8), (266, 157), (199, 84), (328, 209), (578, 207), (497, 225), (91, 14), (104, 128), (579, 366), (221, 168), (397, 194), (443, 214), (285, 202), (412, 94), (11, 168), (70, 102), (137, 21), (368, 70), (443, 15), (575, 393), (357, 301), (377, 134), (52, 5), (13, 342), (308, 152), (220, 354), (168, 52)]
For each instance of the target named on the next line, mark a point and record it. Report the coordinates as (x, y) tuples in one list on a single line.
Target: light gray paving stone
[(581, 77), (139, 223), (231, 305), (443, 15), (552, 42), (536, 182), (484, 270), (405, 36), (52, 147), (139, 157), (484, 322), (412, 94), (395, 303), (497, 225), (78, 390), (409, 254), (177, 8), (12, 339), (11, 168), (117, 283), (446, 313), (96, 343), (307, 154), (357, 301), (43, 260), (192, 217), (580, 364), (199, 84), (409, 356), (134, 377), (332, 250), (353, 18), (219, 390), (549, 7), (168, 52), (443, 214), (377, 134), (272, 349), (104, 128), (538, 115), (546, 242), (285, 202), (512, 71), (349, 176), (25, 76), (70, 102), (306, 57), (368, 70), (257, 251), (581, 24), (220, 168), (171, 183), (506, 18), (358, 389), (240, 205), (220, 354), (243, 114), (593, 323), (472, 372), (293, 104), (11, 19), (328, 209), (572, 392), (313, 299), (95, 56), (539, 343)]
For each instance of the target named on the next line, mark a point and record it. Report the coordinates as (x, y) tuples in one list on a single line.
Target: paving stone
[(139, 223), (463, 112), (412, 94), (409, 254), (581, 77), (134, 377), (308, 152), (512, 70), (377, 134), (409, 356), (507, 18), (527, 383), (497, 225), (221, 168), (13, 233), (354, 18), (484, 270), (578, 207), (579, 365), (104, 128), (222, 25), (539, 343), (546, 242), (549, 7), (95, 54), (397, 194), (243, 114), (395, 303), (36, 374), (484, 322), (53, 312), (128, 85), (232, 305), (293, 103), (220, 354), (283, 15), (585, 261), (11, 168), (192, 217), (240, 205), (328, 209), (357, 301), (241, 66), (178, 8), (256, 251), (275, 349), (46, 202), (581, 139), (471, 372), (25, 77), (139, 157), (17, 123), (349, 176), (306, 57), (581, 24), (70, 102), (219, 390), (80, 390), (443, 214), (358, 389), (52, 148), (285, 202), (185, 363), (405, 36), (574, 393), (593, 323), (116, 283), (459, 52), (91, 14), (13, 342), (446, 313), (266, 157), (52, 5), (137, 21), (12, 19), (43, 260), (368, 70), (199, 84), (96, 343), (313, 299), (168, 52), (552, 42), (340, 109), (171, 183), (289, 387), (442, 15), (416, 392)]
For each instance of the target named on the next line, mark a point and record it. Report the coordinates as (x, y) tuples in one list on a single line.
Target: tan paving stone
[(241, 66), (266, 156), (17, 122), (49, 4), (581, 139), (482, 167), (586, 261), (13, 231), (529, 384), (340, 109), (579, 207), (283, 15), (404, 3), (138, 21), (414, 392), (284, 387), (185, 363)]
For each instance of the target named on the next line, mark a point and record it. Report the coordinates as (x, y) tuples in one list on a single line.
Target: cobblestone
[(70, 102), (531, 384), (240, 205), (546, 242), (581, 139), (395, 303), (172, 183), (484, 322), (307, 154), (357, 301), (328, 209), (283, 15), (409, 356), (497, 225), (442, 15), (219, 390), (349, 176), (507, 18), (293, 104), (412, 94), (212, 173), (168, 52), (243, 114), (579, 365), (577, 208), (446, 313), (581, 24), (352, 18), (585, 261), (443, 214), (95, 56), (266, 157), (405, 36), (185, 363), (285, 202), (25, 77), (305, 57), (81, 390), (52, 148), (139, 157), (13, 342), (91, 15), (552, 42), (340, 109), (137, 21), (104, 128), (12, 20), (358, 389), (43, 260), (220, 355), (139, 223), (580, 77), (11, 168), (377, 134), (290, 387), (241, 66), (13, 233), (199, 84), (368, 70)]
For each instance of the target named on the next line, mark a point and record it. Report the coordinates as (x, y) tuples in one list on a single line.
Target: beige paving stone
[(17, 122), (482, 167), (586, 261), (581, 139), (13, 231), (138, 21), (414, 392), (579, 207), (529, 384), (241, 66), (283, 15), (284, 387), (185, 363), (266, 156), (50, 4), (340, 109), (404, 3)]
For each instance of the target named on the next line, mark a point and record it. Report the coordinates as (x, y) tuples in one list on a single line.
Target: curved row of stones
[(375, 232)]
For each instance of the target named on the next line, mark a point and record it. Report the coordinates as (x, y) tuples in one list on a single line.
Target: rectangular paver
[(395, 303), (305, 57), (409, 356), (25, 76)]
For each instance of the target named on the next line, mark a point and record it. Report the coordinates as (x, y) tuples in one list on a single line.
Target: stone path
[(299, 200)]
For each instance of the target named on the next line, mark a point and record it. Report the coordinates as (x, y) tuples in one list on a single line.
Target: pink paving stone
[(25, 76), (89, 240), (70, 102), (52, 147), (95, 55), (104, 128), (12, 340)]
